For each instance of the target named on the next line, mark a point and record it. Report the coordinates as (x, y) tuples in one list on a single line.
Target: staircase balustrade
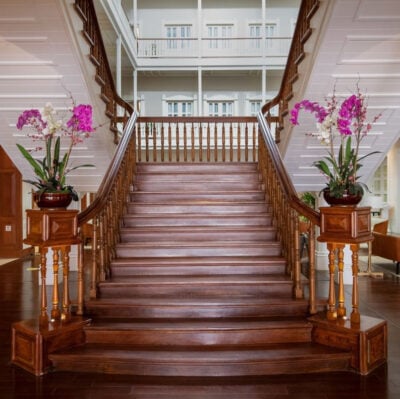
[(197, 139), (117, 109)]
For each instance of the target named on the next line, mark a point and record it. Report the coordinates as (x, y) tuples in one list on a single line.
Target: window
[(180, 108), (220, 108), (255, 106), (220, 34), (177, 34), (256, 34)]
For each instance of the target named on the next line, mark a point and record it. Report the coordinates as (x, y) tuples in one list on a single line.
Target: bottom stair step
[(176, 361)]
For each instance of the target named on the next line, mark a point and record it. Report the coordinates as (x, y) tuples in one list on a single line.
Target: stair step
[(195, 197), (200, 177), (268, 359), (261, 219), (192, 308), (224, 208), (196, 185), (217, 167), (196, 286), (204, 333), (190, 233), (202, 248), (197, 266)]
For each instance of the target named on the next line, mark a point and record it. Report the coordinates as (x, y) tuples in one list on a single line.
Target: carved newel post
[(58, 230), (340, 226)]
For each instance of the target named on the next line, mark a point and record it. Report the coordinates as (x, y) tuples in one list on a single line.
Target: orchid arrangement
[(48, 127), (345, 125)]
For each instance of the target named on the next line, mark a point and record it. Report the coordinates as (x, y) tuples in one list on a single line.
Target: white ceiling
[(359, 42)]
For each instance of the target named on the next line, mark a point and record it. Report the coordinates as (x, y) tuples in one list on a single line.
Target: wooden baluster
[(298, 290), (139, 142), (184, 142), (81, 281), (96, 248), (169, 143), (331, 313), (200, 142), (154, 142), (223, 142), (66, 314), (238, 145), (311, 263), (246, 143), (177, 142), (208, 142), (231, 142), (341, 311), (355, 314), (255, 136), (215, 142), (162, 142), (55, 311), (192, 138), (147, 142), (44, 319)]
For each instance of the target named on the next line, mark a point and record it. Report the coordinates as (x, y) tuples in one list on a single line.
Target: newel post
[(341, 226), (33, 340)]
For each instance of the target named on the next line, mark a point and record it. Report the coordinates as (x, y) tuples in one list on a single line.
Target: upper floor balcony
[(204, 51)]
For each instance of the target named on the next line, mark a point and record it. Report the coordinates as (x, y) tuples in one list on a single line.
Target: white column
[(393, 186), (200, 91), (264, 86), (199, 27), (118, 62), (135, 92)]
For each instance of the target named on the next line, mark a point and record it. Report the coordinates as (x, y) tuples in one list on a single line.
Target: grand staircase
[(198, 286)]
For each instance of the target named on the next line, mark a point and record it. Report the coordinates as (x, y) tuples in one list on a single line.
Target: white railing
[(213, 47)]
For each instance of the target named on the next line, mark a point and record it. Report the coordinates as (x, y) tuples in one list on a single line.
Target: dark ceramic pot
[(52, 200), (345, 200)]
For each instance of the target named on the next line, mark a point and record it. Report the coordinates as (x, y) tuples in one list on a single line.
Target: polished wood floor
[(19, 299)]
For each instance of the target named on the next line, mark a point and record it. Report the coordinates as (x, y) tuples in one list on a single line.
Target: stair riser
[(177, 369), (225, 209), (177, 251), (200, 177), (194, 312), (131, 290), (185, 236), (196, 186), (243, 337), (144, 197), (167, 168), (118, 271), (216, 220)]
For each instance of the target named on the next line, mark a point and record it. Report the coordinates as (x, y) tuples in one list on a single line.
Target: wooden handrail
[(296, 54), (115, 105), (287, 206)]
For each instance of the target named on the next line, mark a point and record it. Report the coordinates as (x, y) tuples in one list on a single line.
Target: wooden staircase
[(198, 286)]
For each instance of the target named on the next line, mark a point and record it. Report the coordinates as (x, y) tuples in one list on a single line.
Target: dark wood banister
[(296, 54), (98, 55), (286, 204), (103, 193)]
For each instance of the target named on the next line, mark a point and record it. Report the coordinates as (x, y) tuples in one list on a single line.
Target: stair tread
[(201, 325), (199, 301), (272, 352), (182, 244), (189, 279), (209, 260)]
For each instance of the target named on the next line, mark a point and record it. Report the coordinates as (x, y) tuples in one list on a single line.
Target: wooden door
[(10, 208)]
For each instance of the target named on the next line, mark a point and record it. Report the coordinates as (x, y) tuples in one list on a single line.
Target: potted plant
[(48, 128), (344, 124)]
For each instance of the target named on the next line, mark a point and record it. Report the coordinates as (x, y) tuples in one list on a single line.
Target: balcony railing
[(213, 47)]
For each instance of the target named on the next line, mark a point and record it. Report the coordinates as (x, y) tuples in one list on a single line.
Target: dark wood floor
[(19, 298)]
